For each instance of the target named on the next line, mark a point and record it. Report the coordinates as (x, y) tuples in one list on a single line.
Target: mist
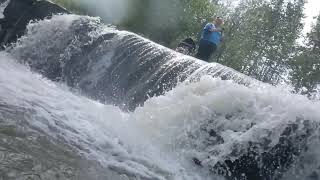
[(158, 13), (111, 11), (164, 12)]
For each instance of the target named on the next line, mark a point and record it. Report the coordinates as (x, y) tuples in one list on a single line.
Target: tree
[(261, 38), (260, 35), (169, 21), (305, 67)]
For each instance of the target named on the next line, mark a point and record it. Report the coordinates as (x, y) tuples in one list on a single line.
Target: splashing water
[(2, 7), (203, 117), (99, 132)]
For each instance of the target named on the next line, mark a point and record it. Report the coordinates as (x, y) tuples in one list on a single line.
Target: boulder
[(19, 13)]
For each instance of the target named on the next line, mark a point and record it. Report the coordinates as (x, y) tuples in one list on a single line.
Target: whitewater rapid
[(101, 131), (159, 130), (205, 116)]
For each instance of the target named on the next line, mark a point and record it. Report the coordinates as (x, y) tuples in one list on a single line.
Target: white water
[(102, 129), (189, 106), (158, 132), (2, 7), (158, 140)]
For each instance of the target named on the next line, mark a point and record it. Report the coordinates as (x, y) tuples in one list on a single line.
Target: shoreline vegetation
[(261, 36)]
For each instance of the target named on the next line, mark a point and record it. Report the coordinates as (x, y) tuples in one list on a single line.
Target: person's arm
[(214, 29), (208, 27)]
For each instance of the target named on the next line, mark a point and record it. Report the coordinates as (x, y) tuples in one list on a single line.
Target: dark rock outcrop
[(19, 13)]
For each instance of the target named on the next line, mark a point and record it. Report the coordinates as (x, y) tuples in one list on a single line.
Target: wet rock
[(270, 164), (197, 161), (314, 176), (219, 139), (19, 13)]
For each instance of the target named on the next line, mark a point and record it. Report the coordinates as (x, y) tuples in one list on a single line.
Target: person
[(210, 39)]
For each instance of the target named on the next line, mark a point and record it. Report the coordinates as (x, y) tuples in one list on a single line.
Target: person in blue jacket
[(210, 39)]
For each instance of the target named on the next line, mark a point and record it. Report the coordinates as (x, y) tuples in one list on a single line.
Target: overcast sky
[(312, 9)]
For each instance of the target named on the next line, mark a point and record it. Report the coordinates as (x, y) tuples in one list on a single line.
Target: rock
[(187, 47), (270, 164), (46, 9), (19, 13), (197, 161)]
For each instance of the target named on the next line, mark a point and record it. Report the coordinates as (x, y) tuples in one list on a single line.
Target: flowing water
[(81, 100)]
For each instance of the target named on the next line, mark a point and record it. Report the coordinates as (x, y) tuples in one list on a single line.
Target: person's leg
[(200, 49), (213, 48), (205, 50)]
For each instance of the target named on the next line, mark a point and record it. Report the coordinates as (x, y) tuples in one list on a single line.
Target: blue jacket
[(214, 37)]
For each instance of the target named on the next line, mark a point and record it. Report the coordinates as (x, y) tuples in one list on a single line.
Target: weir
[(207, 119), (108, 65)]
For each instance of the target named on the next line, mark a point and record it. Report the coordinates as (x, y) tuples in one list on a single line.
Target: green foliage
[(305, 74), (168, 21), (260, 37), (306, 71)]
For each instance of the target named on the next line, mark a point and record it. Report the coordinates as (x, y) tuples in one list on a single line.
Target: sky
[(312, 9)]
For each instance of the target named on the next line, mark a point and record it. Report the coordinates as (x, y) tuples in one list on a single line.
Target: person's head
[(218, 21)]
